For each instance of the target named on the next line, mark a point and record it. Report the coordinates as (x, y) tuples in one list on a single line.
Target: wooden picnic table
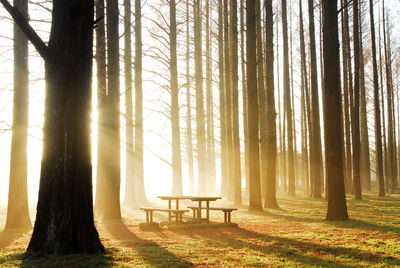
[(199, 199)]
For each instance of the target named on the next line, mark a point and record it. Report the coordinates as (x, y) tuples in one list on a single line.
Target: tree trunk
[(356, 109), (211, 184), (237, 172), (270, 185), (315, 137), (286, 85), (138, 80), (130, 196), (378, 135), (365, 162), (244, 96), (17, 210), (255, 202), (337, 208), (64, 220), (201, 135), (189, 138), (176, 135), (221, 72)]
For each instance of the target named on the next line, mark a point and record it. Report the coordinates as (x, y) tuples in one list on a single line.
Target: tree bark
[(270, 185), (255, 202), (337, 208)]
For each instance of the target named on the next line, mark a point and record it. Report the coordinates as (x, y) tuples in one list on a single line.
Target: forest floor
[(295, 235)]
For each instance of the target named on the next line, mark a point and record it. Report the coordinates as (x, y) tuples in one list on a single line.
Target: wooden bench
[(227, 212), (178, 213)]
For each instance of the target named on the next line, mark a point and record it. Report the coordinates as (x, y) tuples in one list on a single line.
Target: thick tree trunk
[(270, 185), (200, 121), (286, 85), (315, 137), (17, 210), (255, 202), (337, 208), (237, 172), (378, 134), (176, 135), (64, 220)]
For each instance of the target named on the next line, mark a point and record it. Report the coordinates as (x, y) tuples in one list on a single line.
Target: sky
[(157, 127)]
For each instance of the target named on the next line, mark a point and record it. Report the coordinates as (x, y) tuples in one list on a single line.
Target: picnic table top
[(193, 198)]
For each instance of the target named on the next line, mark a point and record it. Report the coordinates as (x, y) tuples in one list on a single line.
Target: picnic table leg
[(194, 214), (225, 216), (229, 216), (147, 216), (151, 216), (177, 203), (208, 211), (169, 207), (199, 212)]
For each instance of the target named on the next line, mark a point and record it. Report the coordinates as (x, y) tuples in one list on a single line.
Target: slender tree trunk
[(244, 95), (189, 138), (315, 137), (176, 135), (222, 106), (237, 179), (365, 162), (17, 210), (378, 135), (348, 180), (286, 84), (255, 202), (356, 109), (138, 80), (200, 120), (130, 196), (337, 208), (270, 185), (211, 185)]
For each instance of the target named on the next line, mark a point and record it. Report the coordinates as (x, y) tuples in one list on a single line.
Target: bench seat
[(178, 213), (227, 212)]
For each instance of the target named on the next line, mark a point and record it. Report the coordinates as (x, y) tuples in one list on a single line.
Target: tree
[(356, 107), (17, 210), (189, 138), (378, 134), (237, 174), (337, 208), (64, 220), (255, 202), (138, 82), (288, 106), (270, 185), (315, 136), (200, 121), (176, 136), (130, 196)]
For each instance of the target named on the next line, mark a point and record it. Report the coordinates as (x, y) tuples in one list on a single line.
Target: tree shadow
[(151, 252), (306, 253)]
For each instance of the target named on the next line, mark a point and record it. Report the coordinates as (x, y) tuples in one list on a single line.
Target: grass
[(295, 235)]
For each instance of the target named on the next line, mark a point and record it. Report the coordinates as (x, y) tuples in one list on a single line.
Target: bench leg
[(151, 216), (194, 214), (229, 216), (169, 213), (147, 216), (208, 211), (225, 217)]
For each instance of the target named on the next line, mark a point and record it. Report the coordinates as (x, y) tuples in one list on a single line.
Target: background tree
[(17, 210)]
